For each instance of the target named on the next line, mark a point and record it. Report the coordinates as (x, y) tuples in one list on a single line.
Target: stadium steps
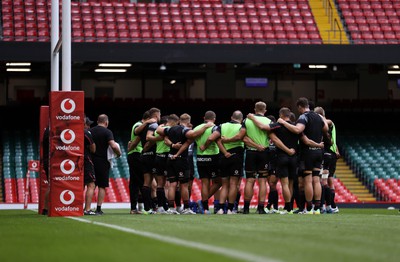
[(352, 183), (328, 27)]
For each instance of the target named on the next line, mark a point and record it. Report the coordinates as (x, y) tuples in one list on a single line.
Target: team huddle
[(302, 153)]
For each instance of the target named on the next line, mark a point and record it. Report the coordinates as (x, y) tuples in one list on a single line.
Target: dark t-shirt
[(177, 134), (101, 137), (291, 140), (149, 127), (313, 125), (88, 142)]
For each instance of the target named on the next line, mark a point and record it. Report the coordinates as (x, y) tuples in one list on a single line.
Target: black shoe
[(89, 213), (45, 212), (99, 213), (246, 211)]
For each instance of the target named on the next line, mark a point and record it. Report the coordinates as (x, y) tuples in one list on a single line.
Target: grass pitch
[(352, 235)]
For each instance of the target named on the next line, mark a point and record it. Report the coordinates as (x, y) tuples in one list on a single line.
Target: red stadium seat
[(245, 27), (146, 34), (133, 26), (78, 35), (300, 28), (269, 35), (112, 35), (258, 36), (256, 27), (99, 26), (379, 37), (214, 36), (278, 28), (191, 36), (122, 26), (8, 35), (134, 35), (367, 38), (202, 34), (89, 35), (236, 34), (100, 35), (43, 35), (111, 26), (189, 27), (391, 38)]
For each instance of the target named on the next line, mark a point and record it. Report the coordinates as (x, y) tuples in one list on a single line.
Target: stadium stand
[(18, 148), (374, 160), (257, 22), (254, 22), (371, 21)]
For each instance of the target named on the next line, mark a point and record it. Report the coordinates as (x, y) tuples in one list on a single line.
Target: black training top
[(101, 137), (177, 134)]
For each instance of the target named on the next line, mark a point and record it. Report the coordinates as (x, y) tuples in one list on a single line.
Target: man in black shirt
[(103, 138), (313, 126)]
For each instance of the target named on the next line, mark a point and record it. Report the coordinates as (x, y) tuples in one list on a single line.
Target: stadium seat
[(19, 35), (31, 35)]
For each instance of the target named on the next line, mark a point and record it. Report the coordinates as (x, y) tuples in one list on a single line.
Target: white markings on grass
[(209, 248)]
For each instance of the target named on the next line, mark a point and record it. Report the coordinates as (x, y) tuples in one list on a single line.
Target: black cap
[(88, 121)]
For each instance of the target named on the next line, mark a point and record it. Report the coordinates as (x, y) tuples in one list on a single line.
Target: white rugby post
[(54, 34), (66, 113), (66, 47), (63, 42)]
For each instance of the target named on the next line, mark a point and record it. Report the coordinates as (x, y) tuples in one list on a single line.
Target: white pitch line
[(218, 250)]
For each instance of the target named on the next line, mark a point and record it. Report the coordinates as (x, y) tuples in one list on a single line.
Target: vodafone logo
[(33, 165), (67, 166), (67, 197), (67, 136), (68, 105)]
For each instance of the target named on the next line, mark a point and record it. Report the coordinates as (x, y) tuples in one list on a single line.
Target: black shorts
[(89, 175), (232, 166), (161, 164), (147, 160), (329, 163), (207, 166), (101, 171), (312, 159), (257, 162), (178, 170), (286, 166)]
